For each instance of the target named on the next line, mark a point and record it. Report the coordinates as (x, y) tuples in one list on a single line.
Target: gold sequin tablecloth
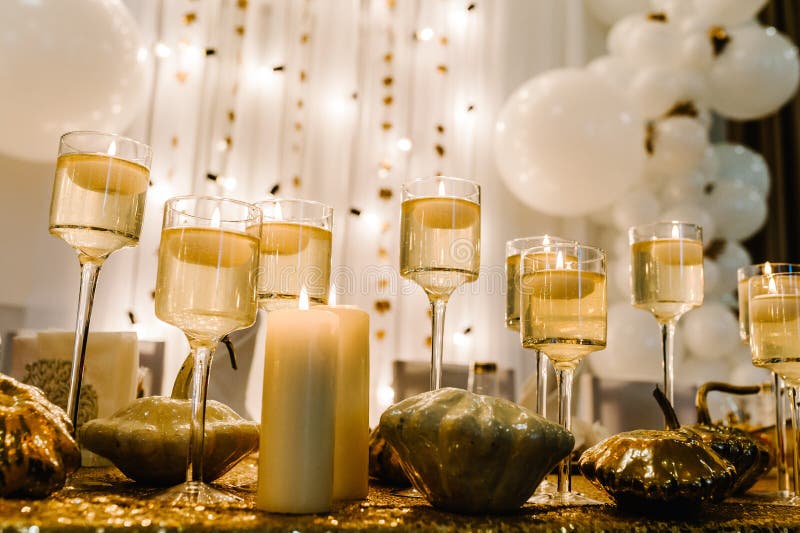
[(102, 499)]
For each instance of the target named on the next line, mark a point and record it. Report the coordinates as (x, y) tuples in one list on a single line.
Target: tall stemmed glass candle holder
[(97, 207), (514, 249), (774, 313), (206, 287), (784, 492), (295, 252), (667, 279), (563, 314), (440, 229)]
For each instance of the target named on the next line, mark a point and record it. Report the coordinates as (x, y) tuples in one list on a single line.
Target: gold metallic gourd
[(748, 455), (149, 440), (471, 454), (658, 470), (37, 450)]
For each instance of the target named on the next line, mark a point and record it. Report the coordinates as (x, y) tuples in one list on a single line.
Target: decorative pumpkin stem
[(181, 387), (701, 400), (670, 418)]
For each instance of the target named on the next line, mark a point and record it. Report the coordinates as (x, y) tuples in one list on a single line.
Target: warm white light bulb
[(425, 34), (162, 50), (302, 302), (404, 144)]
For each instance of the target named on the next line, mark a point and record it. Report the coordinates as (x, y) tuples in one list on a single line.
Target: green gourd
[(469, 453), (149, 439)]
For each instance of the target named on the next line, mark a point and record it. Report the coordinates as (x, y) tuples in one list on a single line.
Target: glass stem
[(564, 381), (667, 350), (89, 272), (437, 342), (795, 426), (541, 384), (780, 436), (202, 363)]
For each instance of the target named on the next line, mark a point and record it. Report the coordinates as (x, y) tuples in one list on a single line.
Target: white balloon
[(693, 214), (633, 349), (568, 130), (648, 42), (710, 162), (744, 373), (727, 12), (738, 210), (657, 89), (637, 206), (618, 34), (694, 372), (614, 70), (602, 217), (622, 245), (704, 117), (675, 10), (710, 278), (757, 72), (679, 145), (619, 283), (710, 331), (75, 65), (696, 52), (689, 188), (739, 164), (730, 259), (610, 11)]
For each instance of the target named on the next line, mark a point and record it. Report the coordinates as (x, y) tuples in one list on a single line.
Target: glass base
[(545, 488), (563, 499), (408, 493), (196, 493)]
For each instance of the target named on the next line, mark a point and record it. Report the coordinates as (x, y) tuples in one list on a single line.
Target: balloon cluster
[(626, 141)]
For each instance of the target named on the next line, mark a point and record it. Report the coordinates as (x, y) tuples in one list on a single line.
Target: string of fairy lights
[(409, 103)]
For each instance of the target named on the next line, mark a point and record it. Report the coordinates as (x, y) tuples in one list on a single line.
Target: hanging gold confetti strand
[(222, 82)]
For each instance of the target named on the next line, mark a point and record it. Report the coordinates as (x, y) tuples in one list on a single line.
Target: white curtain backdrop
[(341, 101)]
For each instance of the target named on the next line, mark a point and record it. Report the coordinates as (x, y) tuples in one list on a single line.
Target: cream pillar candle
[(351, 447), (295, 465)]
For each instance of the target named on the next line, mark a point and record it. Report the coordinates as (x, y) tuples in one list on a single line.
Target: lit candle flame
[(675, 232), (772, 288), (215, 218), (767, 268), (546, 243), (441, 188), (560, 260), (277, 213), (332, 295), (112, 148), (303, 300)]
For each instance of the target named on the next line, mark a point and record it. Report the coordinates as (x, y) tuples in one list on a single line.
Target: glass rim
[(62, 140), (325, 206), (743, 271), (511, 243), (407, 184), (663, 223), (168, 204), (600, 254)]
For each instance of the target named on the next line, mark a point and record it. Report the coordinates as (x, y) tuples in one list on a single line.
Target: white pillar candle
[(351, 447), (295, 466)]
